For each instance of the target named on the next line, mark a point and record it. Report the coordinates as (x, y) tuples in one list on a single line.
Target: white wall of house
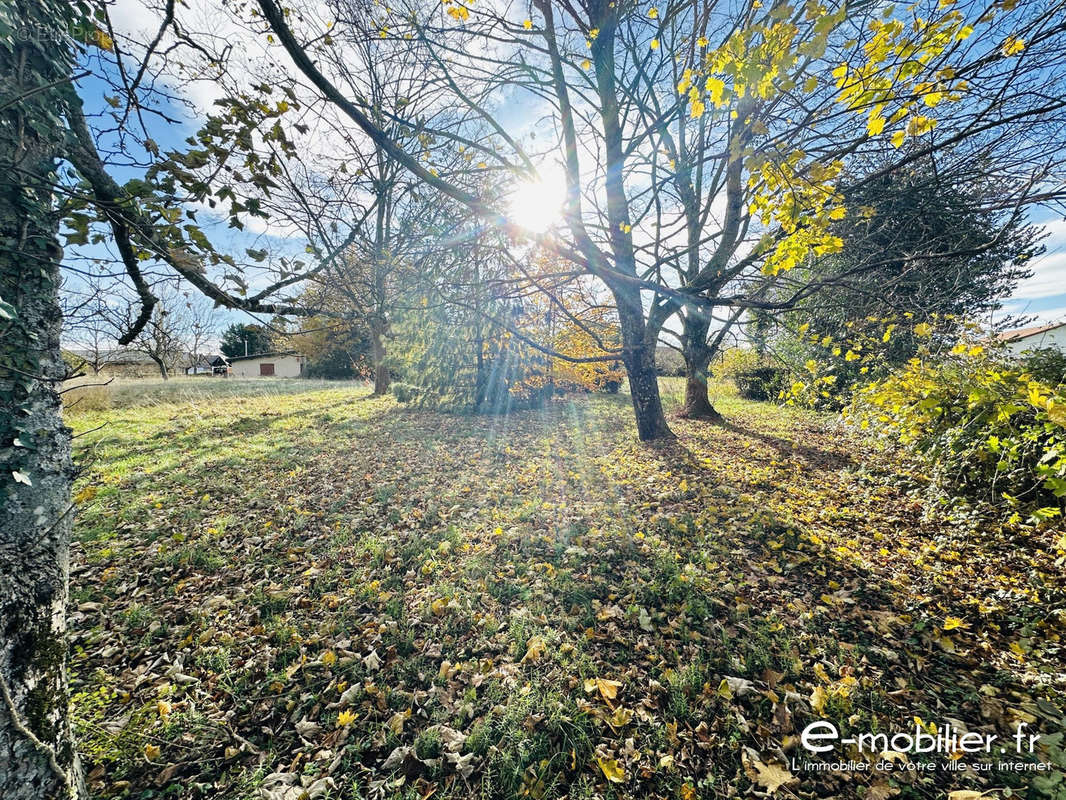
[(1054, 338), (288, 366)]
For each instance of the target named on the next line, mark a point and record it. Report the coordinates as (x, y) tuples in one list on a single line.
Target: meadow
[(289, 589)]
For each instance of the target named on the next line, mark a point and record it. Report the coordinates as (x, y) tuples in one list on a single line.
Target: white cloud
[(1049, 278), (1049, 270)]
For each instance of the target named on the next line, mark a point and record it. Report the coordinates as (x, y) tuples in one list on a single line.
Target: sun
[(537, 205)]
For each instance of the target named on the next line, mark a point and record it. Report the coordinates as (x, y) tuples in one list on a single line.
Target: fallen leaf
[(644, 620), (620, 718), (397, 720), (534, 650), (372, 661), (770, 776), (612, 770), (608, 689)]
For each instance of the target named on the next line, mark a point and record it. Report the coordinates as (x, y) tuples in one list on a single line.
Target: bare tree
[(202, 328), (90, 338)]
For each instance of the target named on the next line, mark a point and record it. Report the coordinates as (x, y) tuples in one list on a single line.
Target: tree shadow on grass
[(789, 447)]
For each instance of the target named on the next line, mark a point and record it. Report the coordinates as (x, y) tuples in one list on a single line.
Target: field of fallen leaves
[(307, 592)]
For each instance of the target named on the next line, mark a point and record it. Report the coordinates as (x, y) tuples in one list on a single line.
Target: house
[(1035, 338), (207, 365), (287, 364), (198, 365)]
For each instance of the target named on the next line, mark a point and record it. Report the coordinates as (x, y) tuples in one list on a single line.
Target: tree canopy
[(241, 339)]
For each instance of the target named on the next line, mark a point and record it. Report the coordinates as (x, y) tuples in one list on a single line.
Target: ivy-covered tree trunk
[(37, 756)]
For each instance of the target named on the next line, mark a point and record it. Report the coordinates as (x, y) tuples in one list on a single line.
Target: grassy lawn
[(287, 589)]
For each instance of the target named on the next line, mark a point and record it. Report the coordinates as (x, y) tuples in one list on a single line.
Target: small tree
[(919, 247), (91, 339), (334, 349), (202, 328)]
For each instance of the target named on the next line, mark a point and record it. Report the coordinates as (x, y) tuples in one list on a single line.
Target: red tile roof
[(1023, 333)]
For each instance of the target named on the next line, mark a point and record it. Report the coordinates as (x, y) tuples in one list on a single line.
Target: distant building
[(1035, 338), (207, 365), (287, 364)]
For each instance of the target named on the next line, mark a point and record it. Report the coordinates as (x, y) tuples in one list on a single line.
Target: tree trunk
[(697, 402), (647, 404), (382, 379), (697, 361), (37, 756), (639, 360)]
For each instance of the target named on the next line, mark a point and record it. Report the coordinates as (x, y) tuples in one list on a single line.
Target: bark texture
[(697, 363), (644, 391), (37, 756)]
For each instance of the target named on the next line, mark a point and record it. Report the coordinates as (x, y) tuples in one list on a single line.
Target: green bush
[(753, 374), (761, 383), (335, 364), (981, 425), (1046, 365), (404, 392)]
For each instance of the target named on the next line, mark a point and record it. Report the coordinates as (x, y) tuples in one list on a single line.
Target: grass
[(91, 394), (295, 577)]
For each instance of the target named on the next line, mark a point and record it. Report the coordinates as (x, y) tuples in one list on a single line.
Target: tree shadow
[(790, 447)]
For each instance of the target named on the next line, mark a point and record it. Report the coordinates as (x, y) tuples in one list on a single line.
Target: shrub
[(755, 377), (736, 360), (404, 392), (761, 383), (669, 362), (335, 364), (1046, 365), (981, 425), (872, 349)]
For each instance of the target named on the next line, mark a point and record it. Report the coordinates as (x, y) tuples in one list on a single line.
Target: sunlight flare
[(538, 204)]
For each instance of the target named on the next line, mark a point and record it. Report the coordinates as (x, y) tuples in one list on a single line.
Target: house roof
[(1025, 333), (263, 355), (204, 360)]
